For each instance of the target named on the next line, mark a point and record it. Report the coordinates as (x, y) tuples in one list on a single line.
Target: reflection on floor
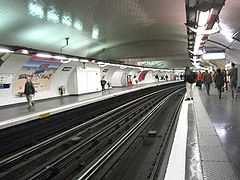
[(224, 114)]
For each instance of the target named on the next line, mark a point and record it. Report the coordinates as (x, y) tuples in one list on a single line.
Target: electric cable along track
[(129, 141)]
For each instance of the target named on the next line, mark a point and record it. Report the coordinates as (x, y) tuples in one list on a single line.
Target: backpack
[(192, 77)]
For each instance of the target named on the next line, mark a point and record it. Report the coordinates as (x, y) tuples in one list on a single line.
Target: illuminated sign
[(213, 55)]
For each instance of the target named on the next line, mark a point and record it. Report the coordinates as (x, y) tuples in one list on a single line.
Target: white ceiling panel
[(106, 29)]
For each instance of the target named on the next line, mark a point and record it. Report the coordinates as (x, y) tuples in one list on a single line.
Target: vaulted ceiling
[(130, 31)]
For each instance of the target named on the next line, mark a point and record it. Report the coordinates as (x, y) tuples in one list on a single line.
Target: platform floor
[(224, 114), (210, 129)]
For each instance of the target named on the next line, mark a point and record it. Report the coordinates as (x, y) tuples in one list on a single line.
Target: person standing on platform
[(233, 80), (219, 81), (207, 80), (103, 82), (166, 77), (181, 76), (190, 79), (157, 78), (29, 92)]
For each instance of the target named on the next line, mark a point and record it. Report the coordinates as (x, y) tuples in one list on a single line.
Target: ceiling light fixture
[(102, 65), (24, 51), (73, 59), (64, 61)]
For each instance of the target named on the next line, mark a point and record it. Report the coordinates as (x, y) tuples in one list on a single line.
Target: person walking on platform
[(219, 81), (207, 80), (233, 80), (190, 79), (225, 79), (29, 92), (103, 82), (199, 80)]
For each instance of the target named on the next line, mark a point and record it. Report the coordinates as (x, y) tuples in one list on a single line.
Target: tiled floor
[(225, 116)]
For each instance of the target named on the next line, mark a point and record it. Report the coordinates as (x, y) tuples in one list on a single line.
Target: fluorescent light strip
[(3, 50), (73, 59), (203, 18), (84, 60), (60, 57), (43, 55)]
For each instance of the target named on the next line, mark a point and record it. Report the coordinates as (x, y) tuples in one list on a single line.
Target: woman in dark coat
[(219, 81)]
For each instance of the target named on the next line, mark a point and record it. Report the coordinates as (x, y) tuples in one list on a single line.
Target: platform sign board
[(5, 80), (66, 68), (41, 71)]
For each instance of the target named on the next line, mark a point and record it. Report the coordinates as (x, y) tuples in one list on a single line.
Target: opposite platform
[(17, 114)]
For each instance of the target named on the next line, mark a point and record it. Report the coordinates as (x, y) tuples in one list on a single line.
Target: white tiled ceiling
[(127, 28)]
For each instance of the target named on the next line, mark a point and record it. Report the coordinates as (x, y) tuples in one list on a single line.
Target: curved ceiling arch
[(126, 29), (143, 49)]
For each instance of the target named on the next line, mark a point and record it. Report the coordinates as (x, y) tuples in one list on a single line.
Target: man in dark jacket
[(189, 78), (207, 80), (103, 82), (233, 80), (29, 91), (219, 81)]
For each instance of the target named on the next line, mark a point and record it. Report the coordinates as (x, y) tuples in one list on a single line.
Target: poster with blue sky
[(41, 71)]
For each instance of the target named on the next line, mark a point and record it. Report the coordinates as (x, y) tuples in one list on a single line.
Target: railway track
[(78, 151), (142, 153)]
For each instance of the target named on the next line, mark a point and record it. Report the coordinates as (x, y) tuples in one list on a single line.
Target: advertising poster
[(5, 80), (41, 71), (142, 75)]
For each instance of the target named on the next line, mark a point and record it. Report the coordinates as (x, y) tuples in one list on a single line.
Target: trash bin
[(62, 90)]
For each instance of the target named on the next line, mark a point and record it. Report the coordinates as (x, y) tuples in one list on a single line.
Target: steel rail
[(165, 142), (23, 153), (103, 159), (59, 136), (45, 172)]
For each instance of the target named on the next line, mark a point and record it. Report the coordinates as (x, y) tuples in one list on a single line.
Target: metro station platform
[(206, 144), (210, 128)]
